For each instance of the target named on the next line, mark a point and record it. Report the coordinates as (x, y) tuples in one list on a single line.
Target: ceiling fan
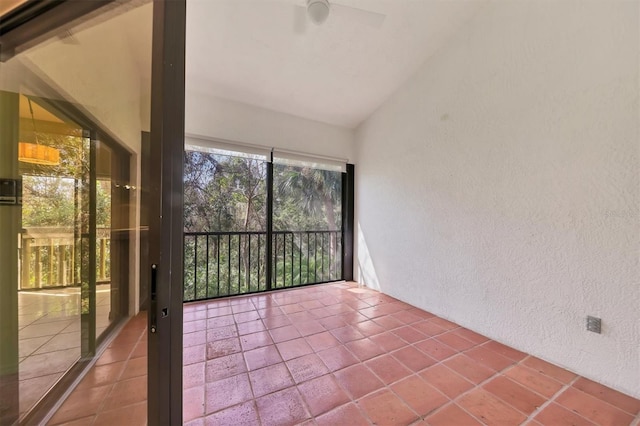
[(318, 11)]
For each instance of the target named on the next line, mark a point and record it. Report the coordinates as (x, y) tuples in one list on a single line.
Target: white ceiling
[(339, 73)]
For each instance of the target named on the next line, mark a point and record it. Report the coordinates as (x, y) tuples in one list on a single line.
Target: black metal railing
[(218, 264)]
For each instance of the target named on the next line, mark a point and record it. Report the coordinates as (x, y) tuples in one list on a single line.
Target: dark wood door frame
[(36, 20), (348, 225), (33, 21), (166, 221), (144, 190)]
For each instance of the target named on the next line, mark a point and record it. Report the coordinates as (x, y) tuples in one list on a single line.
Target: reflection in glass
[(50, 251), (72, 113)]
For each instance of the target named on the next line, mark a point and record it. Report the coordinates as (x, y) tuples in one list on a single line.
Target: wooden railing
[(48, 258)]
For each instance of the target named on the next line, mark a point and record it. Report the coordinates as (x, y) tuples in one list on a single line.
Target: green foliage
[(74, 155), (225, 194), (52, 197), (49, 191), (47, 201), (306, 198), (234, 265)]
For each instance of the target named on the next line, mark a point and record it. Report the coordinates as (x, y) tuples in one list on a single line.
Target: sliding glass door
[(114, 204), (307, 222), (70, 257), (225, 238), (73, 104)]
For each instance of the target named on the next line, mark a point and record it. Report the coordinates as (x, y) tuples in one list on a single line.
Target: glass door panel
[(307, 223), (113, 201), (226, 215), (225, 239), (73, 108), (104, 240), (53, 242)]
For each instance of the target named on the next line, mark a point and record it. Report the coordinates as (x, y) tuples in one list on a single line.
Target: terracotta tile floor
[(114, 392), (49, 336), (342, 355)]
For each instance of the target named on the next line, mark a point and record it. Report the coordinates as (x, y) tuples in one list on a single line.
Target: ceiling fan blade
[(299, 19), (365, 17)]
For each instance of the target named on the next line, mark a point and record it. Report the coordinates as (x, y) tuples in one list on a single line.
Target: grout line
[(126, 363), (72, 388), (279, 300), (343, 344), (552, 399), (246, 364), (475, 387)]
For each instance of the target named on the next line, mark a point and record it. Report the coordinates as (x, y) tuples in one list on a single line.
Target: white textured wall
[(223, 119), (499, 188)]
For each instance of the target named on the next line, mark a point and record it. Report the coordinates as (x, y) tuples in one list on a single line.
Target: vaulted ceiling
[(257, 52)]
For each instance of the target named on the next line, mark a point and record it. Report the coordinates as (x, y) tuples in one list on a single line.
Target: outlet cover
[(594, 324)]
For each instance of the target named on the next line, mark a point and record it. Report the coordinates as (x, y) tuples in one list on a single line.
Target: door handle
[(153, 316)]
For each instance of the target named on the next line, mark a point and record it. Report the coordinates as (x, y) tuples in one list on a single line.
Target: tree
[(224, 194), (54, 196), (317, 195), (225, 197)]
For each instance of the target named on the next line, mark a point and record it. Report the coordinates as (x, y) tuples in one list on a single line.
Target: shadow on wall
[(366, 271)]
